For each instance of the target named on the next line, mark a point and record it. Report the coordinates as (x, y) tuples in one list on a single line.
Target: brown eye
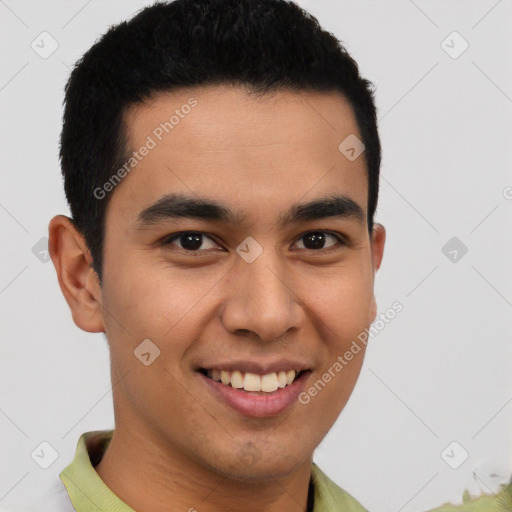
[(317, 240), (190, 241)]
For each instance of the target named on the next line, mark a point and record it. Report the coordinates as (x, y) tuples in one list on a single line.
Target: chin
[(251, 464)]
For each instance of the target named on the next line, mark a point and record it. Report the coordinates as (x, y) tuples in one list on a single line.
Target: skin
[(175, 442)]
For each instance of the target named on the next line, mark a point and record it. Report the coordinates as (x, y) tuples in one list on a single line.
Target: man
[(221, 162)]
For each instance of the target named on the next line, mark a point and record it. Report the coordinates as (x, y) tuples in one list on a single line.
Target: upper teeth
[(252, 381)]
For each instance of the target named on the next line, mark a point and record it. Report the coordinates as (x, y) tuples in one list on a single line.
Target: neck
[(161, 480)]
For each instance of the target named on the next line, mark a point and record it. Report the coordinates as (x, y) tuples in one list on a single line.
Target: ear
[(378, 239), (77, 279)]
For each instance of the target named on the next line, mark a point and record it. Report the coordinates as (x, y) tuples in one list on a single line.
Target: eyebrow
[(183, 206)]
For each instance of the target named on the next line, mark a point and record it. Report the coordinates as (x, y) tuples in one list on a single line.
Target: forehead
[(221, 117), (247, 151)]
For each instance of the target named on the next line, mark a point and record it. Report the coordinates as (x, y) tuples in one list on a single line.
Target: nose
[(261, 300)]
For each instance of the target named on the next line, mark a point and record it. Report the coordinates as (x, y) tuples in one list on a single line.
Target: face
[(273, 276)]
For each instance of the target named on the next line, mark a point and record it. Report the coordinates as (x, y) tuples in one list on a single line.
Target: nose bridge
[(260, 298)]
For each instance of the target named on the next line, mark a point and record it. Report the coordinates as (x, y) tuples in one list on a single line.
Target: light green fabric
[(331, 498), (500, 502), (88, 492), (86, 489)]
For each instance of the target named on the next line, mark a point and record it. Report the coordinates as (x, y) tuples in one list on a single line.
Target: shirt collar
[(89, 493)]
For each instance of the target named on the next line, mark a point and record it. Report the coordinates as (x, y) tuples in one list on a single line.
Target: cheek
[(161, 305), (150, 302), (342, 308), (343, 303)]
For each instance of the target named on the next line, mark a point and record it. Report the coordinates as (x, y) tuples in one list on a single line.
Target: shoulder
[(497, 502), (329, 497)]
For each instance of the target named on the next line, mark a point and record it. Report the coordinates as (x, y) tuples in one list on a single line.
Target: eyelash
[(342, 241)]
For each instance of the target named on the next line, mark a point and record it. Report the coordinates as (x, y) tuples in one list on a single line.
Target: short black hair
[(264, 46)]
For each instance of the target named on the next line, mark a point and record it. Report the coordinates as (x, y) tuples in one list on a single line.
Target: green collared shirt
[(88, 492)]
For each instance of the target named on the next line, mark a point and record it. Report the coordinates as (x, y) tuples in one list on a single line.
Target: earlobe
[(78, 281), (373, 309), (378, 240)]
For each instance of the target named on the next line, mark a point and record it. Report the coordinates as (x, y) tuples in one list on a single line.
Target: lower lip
[(258, 405)]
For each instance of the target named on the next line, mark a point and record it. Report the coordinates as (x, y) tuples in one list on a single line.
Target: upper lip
[(258, 367)]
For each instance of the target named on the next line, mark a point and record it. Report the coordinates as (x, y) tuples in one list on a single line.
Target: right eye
[(190, 241)]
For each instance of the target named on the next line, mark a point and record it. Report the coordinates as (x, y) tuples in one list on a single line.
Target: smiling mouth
[(267, 383)]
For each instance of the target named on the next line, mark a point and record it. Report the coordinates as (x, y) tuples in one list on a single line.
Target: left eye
[(318, 240)]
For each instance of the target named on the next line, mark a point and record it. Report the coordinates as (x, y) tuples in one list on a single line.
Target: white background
[(439, 372)]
